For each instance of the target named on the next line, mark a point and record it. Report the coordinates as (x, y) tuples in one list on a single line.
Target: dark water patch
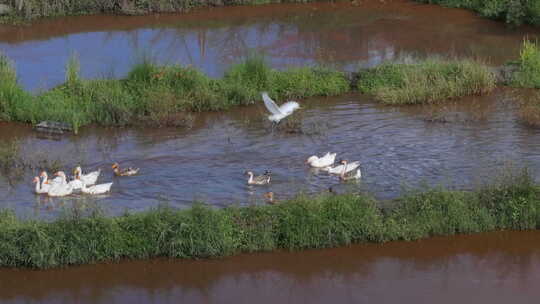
[(340, 34), (494, 268)]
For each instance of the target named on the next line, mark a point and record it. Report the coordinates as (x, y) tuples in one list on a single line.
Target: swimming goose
[(62, 188), (88, 179), (278, 112), (321, 162), (96, 189), (124, 172), (258, 180), (46, 180), (339, 168), (41, 188), (348, 175)]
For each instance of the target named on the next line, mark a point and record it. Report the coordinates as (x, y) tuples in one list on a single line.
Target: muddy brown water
[(340, 34), (502, 267)]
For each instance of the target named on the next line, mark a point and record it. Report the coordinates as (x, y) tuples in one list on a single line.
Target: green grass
[(514, 12), (528, 75), (34, 9), (158, 95), (512, 202), (426, 81)]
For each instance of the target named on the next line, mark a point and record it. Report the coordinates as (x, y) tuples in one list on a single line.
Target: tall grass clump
[(514, 12), (159, 95), (528, 75), (512, 201), (244, 82), (426, 81), (11, 93)]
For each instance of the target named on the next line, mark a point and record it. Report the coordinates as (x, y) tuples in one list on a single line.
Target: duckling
[(259, 180), (269, 198), (124, 172)]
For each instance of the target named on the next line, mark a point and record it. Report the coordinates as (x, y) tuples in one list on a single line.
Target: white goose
[(345, 176), (88, 179), (62, 188), (97, 189), (46, 180), (278, 112), (41, 188), (320, 162), (348, 167)]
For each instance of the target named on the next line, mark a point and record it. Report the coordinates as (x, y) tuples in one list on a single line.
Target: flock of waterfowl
[(345, 170), (86, 183)]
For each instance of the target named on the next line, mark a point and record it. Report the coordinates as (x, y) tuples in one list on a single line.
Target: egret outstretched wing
[(289, 107), (270, 104)]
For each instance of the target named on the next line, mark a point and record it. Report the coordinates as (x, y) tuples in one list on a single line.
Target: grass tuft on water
[(528, 75), (426, 81), (511, 202)]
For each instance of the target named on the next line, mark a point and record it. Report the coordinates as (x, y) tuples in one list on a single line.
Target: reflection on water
[(397, 146), (340, 34), (494, 268)]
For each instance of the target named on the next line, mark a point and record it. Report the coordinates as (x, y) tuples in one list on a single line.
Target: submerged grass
[(513, 202), (529, 110), (159, 95), (426, 81)]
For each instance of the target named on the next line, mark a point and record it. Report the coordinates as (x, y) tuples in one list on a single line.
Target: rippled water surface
[(457, 145)]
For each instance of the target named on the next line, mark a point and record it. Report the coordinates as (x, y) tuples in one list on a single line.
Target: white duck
[(320, 162), (41, 188), (60, 189), (97, 189), (88, 179), (278, 112), (258, 180), (348, 167)]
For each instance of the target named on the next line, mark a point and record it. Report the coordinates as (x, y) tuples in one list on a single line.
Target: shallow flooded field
[(502, 267)]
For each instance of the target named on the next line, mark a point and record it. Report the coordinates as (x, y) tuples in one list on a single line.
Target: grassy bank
[(26, 10), (426, 80), (159, 95), (514, 12), (304, 222)]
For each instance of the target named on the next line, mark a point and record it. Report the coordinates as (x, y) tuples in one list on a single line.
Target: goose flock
[(86, 183), (345, 170)]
